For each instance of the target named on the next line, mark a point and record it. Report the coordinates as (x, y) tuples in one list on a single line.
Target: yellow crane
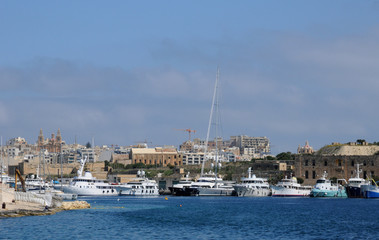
[(189, 132)]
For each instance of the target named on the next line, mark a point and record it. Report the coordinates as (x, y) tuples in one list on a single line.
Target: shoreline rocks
[(22, 209)]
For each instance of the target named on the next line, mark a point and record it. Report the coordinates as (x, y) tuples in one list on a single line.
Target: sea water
[(169, 217)]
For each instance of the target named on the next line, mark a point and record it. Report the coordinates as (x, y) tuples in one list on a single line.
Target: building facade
[(311, 167), (53, 145), (156, 156), (254, 146)]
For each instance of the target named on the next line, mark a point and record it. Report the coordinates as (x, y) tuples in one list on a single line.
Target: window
[(339, 162), (352, 163), (313, 162), (306, 174), (313, 174), (306, 163), (325, 163)]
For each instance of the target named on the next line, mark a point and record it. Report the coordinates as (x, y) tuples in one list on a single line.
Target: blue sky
[(130, 71)]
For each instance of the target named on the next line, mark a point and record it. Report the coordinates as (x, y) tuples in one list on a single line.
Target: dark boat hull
[(181, 191), (353, 192)]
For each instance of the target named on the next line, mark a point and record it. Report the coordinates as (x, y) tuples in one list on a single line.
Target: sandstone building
[(156, 156), (52, 145), (339, 162)]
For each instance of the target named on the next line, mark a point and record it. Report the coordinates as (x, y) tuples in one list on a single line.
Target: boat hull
[(130, 191), (372, 194), (370, 191), (179, 191), (354, 192), (285, 192), (134, 192), (243, 191), (89, 191), (216, 192), (328, 193)]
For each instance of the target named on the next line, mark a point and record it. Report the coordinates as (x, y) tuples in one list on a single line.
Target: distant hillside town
[(54, 157)]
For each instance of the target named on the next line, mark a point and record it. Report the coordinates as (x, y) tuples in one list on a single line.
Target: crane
[(189, 132)]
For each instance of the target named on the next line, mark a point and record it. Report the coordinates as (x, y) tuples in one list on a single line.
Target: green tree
[(88, 145), (285, 156), (300, 180)]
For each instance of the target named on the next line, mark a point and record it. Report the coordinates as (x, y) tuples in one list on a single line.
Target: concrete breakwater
[(21, 209)]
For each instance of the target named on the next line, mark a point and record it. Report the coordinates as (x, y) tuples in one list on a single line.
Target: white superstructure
[(288, 187), (252, 186), (87, 185), (141, 186)]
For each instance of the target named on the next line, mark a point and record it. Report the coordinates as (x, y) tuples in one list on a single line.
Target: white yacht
[(252, 186), (35, 182), (141, 186), (290, 188), (87, 185), (210, 185)]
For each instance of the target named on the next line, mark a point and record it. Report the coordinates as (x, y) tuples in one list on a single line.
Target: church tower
[(59, 137), (41, 139)]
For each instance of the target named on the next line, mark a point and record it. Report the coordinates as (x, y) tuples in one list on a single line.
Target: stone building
[(156, 156), (53, 145), (311, 167)]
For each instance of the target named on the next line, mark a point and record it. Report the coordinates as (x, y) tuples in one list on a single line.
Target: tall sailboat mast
[(214, 102)]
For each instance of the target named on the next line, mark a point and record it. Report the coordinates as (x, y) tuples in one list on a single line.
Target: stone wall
[(6, 193), (311, 167)]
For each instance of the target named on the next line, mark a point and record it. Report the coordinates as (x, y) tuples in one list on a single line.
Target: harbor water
[(204, 218)]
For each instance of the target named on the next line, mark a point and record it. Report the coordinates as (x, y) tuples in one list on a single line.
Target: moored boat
[(252, 186), (140, 186), (288, 187), (87, 185), (353, 188), (325, 188), (370, 190), (179, 189)]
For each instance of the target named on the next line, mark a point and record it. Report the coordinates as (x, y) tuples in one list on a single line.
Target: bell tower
[(41, 139)]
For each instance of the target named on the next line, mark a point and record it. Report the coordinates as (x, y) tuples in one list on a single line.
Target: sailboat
[(209, 184)]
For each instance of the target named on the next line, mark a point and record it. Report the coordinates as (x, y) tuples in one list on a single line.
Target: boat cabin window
[(320, 181)]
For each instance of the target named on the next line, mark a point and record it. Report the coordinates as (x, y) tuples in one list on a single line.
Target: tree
[(300, 180), (360, 141), (285, 156), (88, 145)]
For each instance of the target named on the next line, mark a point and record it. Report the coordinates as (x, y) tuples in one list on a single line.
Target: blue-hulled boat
[(370, 190)]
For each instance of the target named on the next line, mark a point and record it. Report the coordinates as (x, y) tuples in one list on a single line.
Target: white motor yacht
[(210, 185), (288, 187), (252, 186), (141, 186), (87, 185)]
